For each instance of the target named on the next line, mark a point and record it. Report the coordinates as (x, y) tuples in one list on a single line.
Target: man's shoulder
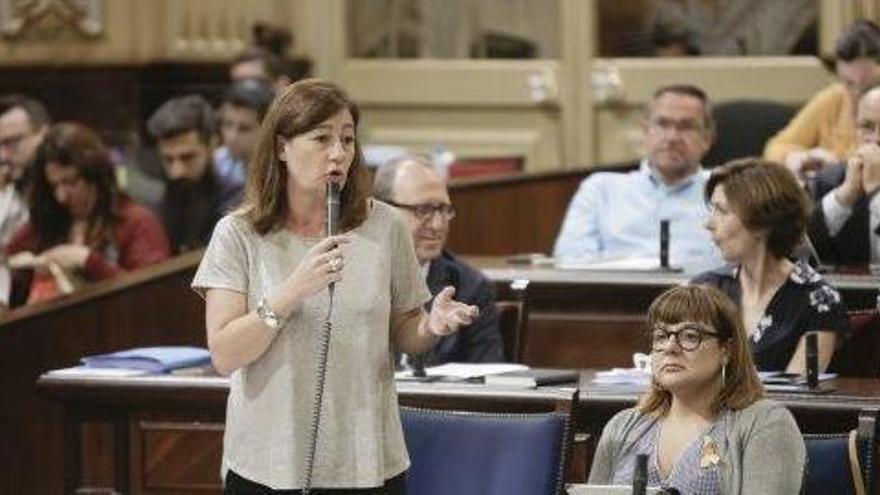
[(449, 260), (609, 177)]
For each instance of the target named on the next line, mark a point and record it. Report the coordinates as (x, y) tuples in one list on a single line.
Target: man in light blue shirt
[(617, 215)]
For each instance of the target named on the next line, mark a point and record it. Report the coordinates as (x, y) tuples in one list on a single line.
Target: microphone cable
[(332, 220), (323, 352)]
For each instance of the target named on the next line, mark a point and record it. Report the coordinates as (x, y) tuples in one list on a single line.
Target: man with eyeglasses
[(23, 123), (413, 185), (846, 226), (617, 215)]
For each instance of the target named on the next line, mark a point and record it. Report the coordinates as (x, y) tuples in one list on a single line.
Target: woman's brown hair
[(705, 304), (69, 144), (298, 109), (765, 196)]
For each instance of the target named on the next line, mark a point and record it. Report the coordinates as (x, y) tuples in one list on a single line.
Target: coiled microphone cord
[(323, 351)]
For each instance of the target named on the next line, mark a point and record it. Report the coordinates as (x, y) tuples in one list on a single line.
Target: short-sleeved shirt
[(804, 303), (270, 404)]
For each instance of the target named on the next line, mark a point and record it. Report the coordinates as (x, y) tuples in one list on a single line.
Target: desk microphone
[(664, 243), (812, 356), (640, 475)]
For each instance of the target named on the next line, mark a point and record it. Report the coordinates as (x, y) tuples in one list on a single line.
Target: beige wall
[(139, 31)]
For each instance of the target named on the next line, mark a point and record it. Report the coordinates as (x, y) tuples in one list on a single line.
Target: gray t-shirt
[(270, 400)]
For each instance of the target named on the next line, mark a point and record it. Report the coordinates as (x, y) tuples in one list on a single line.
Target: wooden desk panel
[(174, 423), (595, 319), (153, 306)]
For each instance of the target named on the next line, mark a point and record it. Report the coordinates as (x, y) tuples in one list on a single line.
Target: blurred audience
[(823, 131), (81, 227), (758, 215), (194, 197), (845, 228), (266, 60), (241, 111), (23, 124), (617, 215)]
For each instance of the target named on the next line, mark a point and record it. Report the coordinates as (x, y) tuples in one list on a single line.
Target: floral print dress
[(804, 303)]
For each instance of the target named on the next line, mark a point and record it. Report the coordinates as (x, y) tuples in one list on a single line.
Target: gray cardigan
[(763, 452)]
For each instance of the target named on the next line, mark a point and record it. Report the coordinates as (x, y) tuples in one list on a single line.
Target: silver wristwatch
[(272, 319)]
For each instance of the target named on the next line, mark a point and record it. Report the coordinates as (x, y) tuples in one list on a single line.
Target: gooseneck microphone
[(664, 243), (812, 356), (640, 475)]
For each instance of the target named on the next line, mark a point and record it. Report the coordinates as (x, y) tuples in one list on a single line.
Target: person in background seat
[(413, 185), (758, 216), (617, 215), (81, 227), (704, 423)]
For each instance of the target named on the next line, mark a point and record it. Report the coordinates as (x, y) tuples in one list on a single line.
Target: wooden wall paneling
[(508, 215)]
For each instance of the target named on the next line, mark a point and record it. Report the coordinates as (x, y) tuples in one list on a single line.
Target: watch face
[(268, 316)]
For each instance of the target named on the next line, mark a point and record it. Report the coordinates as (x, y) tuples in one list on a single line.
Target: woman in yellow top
[(824, 129)]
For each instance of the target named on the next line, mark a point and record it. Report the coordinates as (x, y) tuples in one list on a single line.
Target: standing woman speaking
[(265, 278)]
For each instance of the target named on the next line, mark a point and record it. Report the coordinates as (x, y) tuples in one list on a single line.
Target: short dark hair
[(687, 90), (861, 39), (765, 195), (184, 114), (251, 94), (35, 110)]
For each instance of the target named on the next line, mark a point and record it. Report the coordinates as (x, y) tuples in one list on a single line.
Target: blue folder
[(160, 359)]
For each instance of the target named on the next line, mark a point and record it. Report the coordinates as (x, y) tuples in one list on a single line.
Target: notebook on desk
[(578, 489)]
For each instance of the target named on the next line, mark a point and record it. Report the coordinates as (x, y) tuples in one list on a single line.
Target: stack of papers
[(465, 371), (162, 359), (623, 376)]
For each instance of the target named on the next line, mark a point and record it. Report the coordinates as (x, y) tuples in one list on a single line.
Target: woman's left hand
[(67, 256), (447, 315)]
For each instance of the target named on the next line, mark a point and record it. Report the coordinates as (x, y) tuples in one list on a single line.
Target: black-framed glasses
[(688, 335), (425, 211)]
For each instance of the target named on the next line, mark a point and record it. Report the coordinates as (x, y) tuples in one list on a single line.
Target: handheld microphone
[(640, 475), (812, 356), (664, 243), (332, 221)]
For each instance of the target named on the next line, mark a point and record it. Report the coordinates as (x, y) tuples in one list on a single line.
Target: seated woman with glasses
[(81, 227), (757, 216), (703, 424)]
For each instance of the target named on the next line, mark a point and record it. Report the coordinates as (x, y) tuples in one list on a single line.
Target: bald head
[(410, 183), (868, 116)]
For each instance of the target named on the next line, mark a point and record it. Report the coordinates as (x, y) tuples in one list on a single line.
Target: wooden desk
[(595, 319), (168, 429), (152, 306)]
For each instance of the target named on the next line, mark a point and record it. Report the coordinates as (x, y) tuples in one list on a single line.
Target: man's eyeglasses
[(426, 211), (689, 336), (685, 126)]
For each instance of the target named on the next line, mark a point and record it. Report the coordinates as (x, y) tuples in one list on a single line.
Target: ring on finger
[(335, 264)]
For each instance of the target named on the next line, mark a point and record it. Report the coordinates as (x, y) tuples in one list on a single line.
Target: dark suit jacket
[(851, 246), (479, 341)]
